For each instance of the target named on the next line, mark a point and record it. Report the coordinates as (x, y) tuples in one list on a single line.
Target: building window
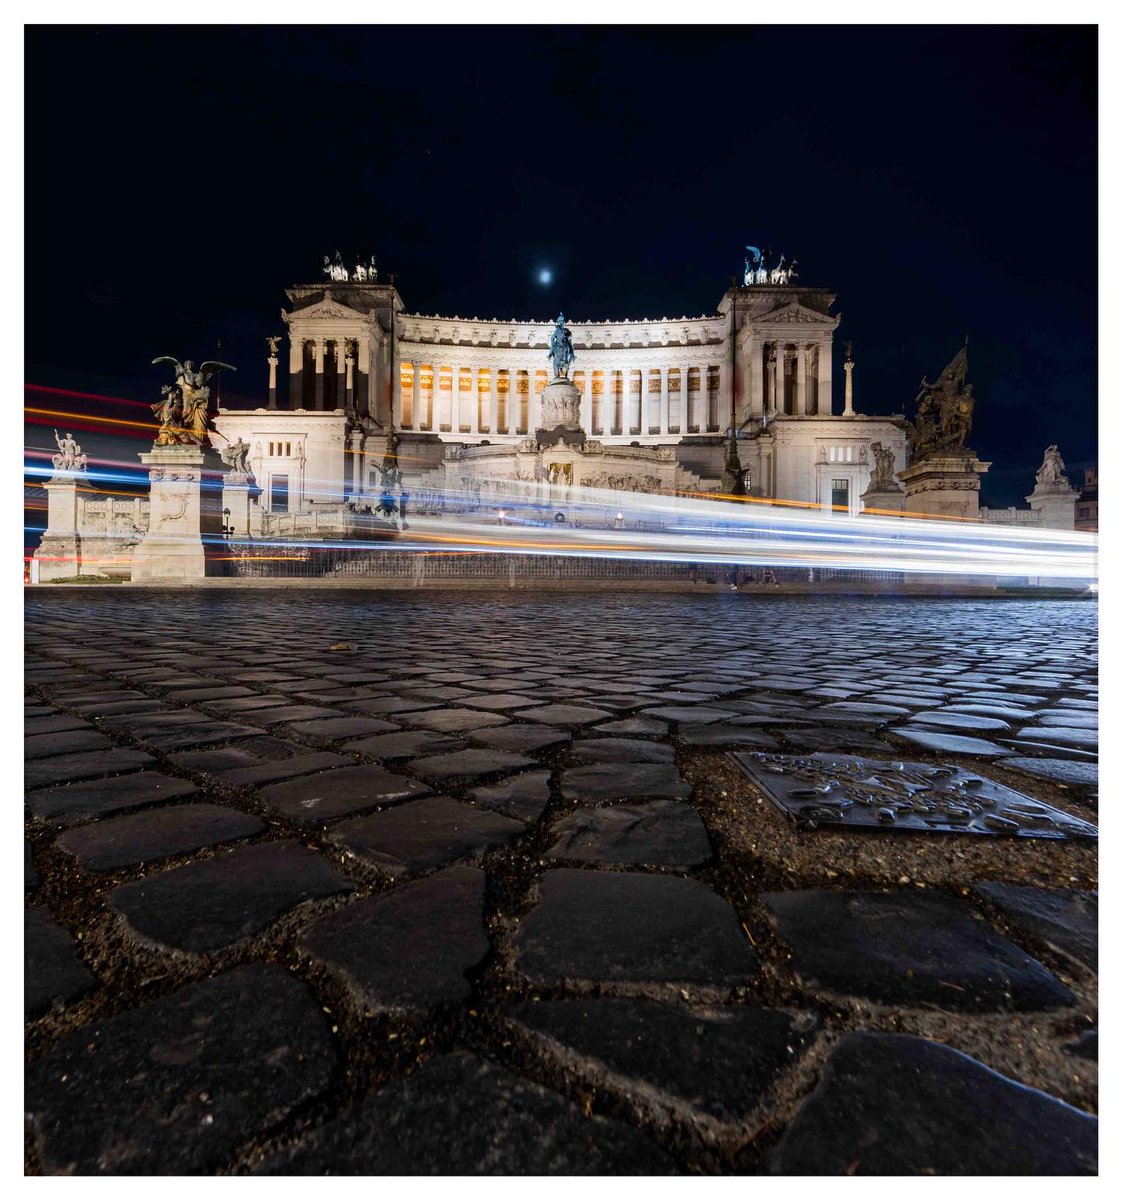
[(278, 494), (839, 493), (288, 449)]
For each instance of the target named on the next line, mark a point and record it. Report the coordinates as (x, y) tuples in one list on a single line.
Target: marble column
[(272, 381), (825, 379), (644, 404), (756, 361), (848, 366), (349, 381), (319, 349), (415, 407), (800, 380), (365, 384), (474, 400), (296, 383)]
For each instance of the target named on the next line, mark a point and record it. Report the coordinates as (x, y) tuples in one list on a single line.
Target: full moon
[(545, 275)]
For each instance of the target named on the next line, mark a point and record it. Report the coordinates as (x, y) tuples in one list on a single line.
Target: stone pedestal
[(60, 552), (945, 485), (560, 409), (883, 501), (1056, 504), (185, 518), (238, 494)]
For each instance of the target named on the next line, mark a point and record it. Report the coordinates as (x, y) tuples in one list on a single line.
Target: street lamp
[(227, 528)]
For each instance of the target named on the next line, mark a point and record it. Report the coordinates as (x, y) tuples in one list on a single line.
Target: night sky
[(941, 181)]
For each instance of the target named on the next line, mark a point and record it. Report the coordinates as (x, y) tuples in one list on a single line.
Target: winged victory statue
[(183, 412)]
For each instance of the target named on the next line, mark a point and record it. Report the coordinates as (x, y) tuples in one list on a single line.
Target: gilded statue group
[(338, 273), (757, 271), (184, 410), (944, 412)]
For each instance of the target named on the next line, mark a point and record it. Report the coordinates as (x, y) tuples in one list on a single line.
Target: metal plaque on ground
[(843, 791)]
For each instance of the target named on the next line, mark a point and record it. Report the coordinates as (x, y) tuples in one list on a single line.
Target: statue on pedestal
[(561, 352), (70, 457), (1052, 469), (884, 469), (183, 412), (234, 456), (734, 475), (944, 412)]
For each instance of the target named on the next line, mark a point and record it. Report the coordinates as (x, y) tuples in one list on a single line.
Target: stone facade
[(656, 401)]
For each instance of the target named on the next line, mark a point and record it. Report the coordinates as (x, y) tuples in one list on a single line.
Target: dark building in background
[(1087, 506)]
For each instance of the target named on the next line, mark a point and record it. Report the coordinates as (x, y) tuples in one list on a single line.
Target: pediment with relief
[(327, 309), (795, 314)]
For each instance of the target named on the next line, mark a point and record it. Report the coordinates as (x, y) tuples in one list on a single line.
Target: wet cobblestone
[(485, 892)]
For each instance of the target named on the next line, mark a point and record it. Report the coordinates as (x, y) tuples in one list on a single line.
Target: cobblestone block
[(340, 792), (604, 926), (100, 796), (607, 781), (423, 833), (717, 1063), (87, 765), (53, 971), (522, 739), (469, 765), (159, 833), (909, 948), (210, 904), (894, 1105), (421, 1126), (176, 1086), (407, 951), (522, 796), (1065, 919), (619, 750), (662, 833)]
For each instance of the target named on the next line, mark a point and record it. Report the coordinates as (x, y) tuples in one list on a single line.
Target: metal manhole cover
[(844, 791)]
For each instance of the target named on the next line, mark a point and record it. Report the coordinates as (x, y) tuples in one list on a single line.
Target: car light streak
[(610, 524)]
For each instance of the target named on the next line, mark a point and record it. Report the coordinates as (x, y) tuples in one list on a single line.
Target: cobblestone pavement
[(447, 882)]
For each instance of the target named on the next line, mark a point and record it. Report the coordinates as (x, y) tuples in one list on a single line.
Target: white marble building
[(652, 392)]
